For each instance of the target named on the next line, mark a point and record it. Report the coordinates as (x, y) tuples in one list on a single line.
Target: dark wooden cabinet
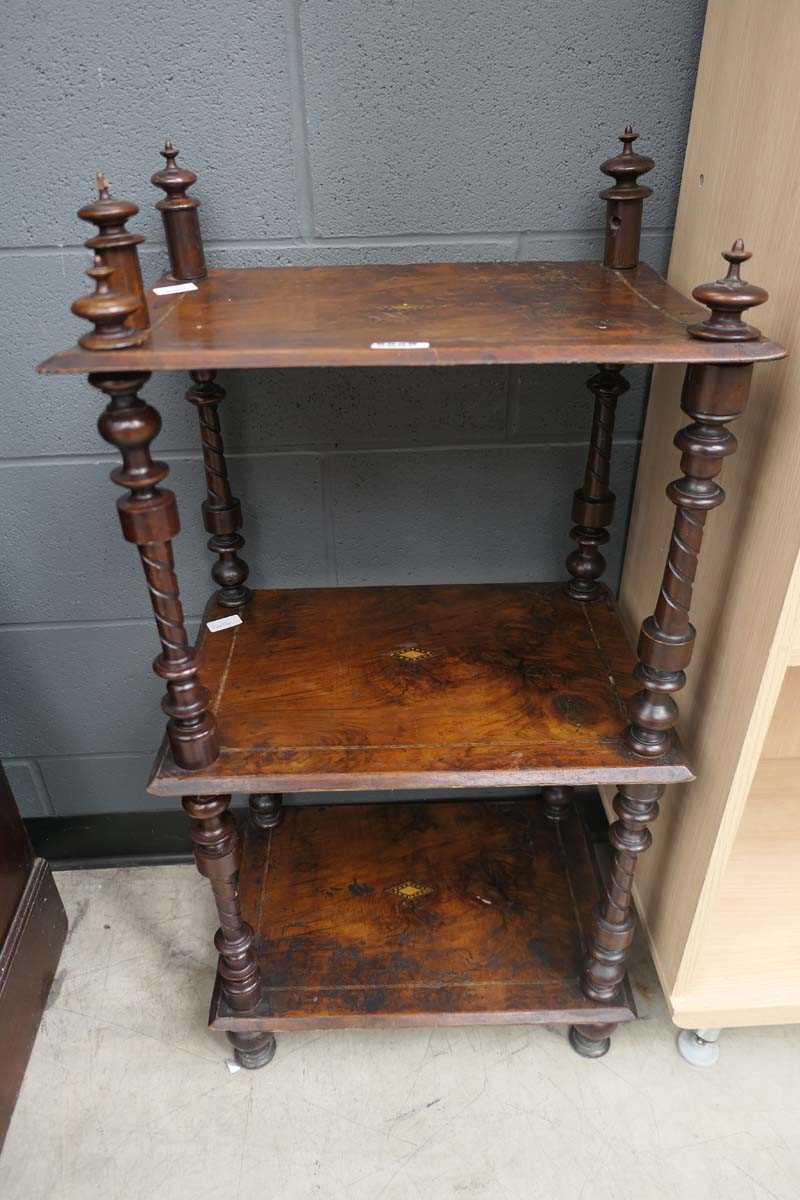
[(33, 927), (463, 911)]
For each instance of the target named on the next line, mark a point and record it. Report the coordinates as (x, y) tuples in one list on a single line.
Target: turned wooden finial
[(108, 310), (624, 203), (117, 247), (179, 214), (728, 298)]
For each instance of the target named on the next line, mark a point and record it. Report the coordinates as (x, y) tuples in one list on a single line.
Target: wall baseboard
[(136, 839), (111, 839)]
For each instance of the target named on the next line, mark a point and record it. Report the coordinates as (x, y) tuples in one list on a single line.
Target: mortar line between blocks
[(510, 237), (302, 158), (327, 490), (315, 449)]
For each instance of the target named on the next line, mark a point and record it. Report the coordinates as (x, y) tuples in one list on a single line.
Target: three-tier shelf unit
[(423, 913)]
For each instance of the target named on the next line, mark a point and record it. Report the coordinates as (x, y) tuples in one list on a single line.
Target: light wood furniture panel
[(720, 891)]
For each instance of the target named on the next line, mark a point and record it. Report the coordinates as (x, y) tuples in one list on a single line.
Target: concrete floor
[(128, 1097)]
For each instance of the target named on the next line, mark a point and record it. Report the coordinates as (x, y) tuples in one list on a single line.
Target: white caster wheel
[(699, 1047)]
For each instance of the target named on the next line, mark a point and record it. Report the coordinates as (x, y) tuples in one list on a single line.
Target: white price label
[(172, 288), (400, 346), (224, 623)]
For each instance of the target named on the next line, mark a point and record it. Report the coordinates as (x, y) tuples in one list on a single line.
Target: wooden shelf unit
[(461, 911)]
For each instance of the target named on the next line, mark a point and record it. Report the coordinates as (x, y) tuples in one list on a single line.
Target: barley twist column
[(222, 512), (712, 396), (149, 518), (593, 504)]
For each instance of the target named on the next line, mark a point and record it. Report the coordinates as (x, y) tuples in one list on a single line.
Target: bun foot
[(590, 1041), (266, 810), (252, 1050)]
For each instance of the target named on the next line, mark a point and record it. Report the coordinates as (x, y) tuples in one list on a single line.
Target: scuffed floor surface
[(128, 1097)]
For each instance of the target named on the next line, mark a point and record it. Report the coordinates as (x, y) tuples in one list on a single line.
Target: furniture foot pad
[(699, 1047), (588, 1047), (253, 1050)]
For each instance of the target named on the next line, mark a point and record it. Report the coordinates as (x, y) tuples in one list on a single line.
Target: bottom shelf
[(432, 913)]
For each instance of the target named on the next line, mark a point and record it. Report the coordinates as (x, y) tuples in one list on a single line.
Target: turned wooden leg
[(253, 1050), (222, 512), (591, 1041), (557, 802), (216, 853), (266, 810), (593, 504), (149, 518), (712, 395), (636, 805)]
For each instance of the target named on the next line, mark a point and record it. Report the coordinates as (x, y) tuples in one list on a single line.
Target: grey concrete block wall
[(322, 133)]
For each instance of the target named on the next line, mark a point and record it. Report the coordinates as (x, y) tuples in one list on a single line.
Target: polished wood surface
[(474, 684), (426, 913), (542, 312)]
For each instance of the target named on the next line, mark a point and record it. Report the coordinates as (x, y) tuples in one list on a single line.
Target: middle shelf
[(468, 685)]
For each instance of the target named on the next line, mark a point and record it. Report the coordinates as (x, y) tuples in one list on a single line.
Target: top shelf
[(443, 314)]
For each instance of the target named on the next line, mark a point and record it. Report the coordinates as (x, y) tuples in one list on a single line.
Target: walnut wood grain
[(544, 312), (465, 685), (419, 914)]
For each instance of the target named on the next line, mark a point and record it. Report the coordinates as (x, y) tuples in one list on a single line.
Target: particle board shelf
[(467, 912), (469, 685), (426, 314)]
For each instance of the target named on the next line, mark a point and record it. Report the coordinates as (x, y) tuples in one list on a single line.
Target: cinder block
[(464, 515), (101, 783), (57, 415), (29, 791), (72, 564), (79, 689), (88, 87), (337, 407), (588, 244), (552, 404), (353, 252), (445, 118)]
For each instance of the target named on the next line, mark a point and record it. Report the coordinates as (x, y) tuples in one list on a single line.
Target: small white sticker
[(172, 288), (400, 346), (224, 623)]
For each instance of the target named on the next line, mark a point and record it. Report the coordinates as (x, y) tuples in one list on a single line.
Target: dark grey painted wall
[(322, 132)]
